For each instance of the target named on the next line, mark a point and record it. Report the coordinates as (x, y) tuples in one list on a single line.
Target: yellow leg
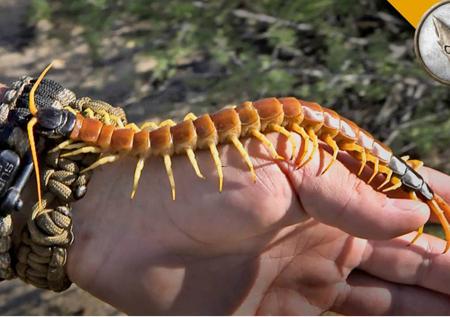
[(102, 161), (168, 165), (264, 140), (190, 116), (218, 163), (415, 164), (137, 175), (191, 155), (305, 139), (356, 148), (106, 117), (238, 145), (413, 196), (286, 133), (442, 220), (405, 158), (168, 122), (133, 127), (83, 150), (60, 146), (75, 146), (388, 172), (149, 125), (376, 164), (70, 109), (396, 184), (332, 143), (312, 135), (89, 113)]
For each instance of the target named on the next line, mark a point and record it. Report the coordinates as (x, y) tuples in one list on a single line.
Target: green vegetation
[(356, 57)]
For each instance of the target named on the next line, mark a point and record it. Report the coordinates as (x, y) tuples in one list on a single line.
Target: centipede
[(313, 123)]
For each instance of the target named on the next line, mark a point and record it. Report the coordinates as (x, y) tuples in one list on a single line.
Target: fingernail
[(410, 205)]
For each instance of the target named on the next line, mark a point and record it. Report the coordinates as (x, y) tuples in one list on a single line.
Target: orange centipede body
[(287, 116)]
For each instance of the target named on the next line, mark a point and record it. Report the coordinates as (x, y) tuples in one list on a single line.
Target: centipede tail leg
[(287, 134), (305, 140), (102, 161), (436, 209), (266, 142), (238, 145), (332, 143), (137, 175), (413, 196), (218, 163), (190, 116)]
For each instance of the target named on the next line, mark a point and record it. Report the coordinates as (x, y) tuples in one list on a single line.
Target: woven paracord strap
[(42, 254)]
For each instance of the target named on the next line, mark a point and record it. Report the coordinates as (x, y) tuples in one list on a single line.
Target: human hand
[(254, 248)]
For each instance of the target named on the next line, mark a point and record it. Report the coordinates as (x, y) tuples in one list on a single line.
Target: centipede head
[(34, 112)]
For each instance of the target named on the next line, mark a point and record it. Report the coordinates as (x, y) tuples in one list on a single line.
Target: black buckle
[(12, 180)]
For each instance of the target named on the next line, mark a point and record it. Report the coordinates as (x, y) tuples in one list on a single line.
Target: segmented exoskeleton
[(230, 125)]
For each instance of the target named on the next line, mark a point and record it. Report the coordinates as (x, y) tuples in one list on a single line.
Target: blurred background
[(161, 59)]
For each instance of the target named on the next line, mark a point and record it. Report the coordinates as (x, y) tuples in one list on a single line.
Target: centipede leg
[(190, 116), (191, 155), (305, 138), (396, 184), (287, 134), (359, 149), (133, 126), (312, 135), (439, 213), (388, 172), (168, 165), (83, 150), (102, 161), (168, 122), (89, 113), (266, 142), (413, 196), (218, 163), (238, 145), (376, 164), (137, 175), (149, 125), (61, 146), (332, 143)]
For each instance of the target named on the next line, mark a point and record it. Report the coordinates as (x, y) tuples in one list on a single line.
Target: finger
[(420, 264), (371, 296), (438, 181), (339, 198)]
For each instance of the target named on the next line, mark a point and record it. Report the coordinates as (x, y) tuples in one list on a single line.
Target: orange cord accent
[(33, 110)]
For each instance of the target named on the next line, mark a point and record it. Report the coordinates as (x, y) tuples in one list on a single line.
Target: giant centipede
[(288, 115)]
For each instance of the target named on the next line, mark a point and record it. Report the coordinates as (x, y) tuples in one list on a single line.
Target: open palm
[(292, 243)]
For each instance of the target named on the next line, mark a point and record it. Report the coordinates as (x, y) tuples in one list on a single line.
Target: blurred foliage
[(356, 57)]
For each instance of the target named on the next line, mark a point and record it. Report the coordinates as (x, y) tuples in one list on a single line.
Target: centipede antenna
[(33, 110)]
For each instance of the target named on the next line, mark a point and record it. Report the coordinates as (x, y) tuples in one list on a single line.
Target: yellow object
[(412, 10)]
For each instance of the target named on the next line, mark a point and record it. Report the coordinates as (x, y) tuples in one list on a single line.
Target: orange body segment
[(161, 141), (104, 139), (184, 136), (122, 140), (227, 124), (90, 130), (141, 143)]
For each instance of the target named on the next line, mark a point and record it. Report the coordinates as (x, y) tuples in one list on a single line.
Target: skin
[(292, 243)]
